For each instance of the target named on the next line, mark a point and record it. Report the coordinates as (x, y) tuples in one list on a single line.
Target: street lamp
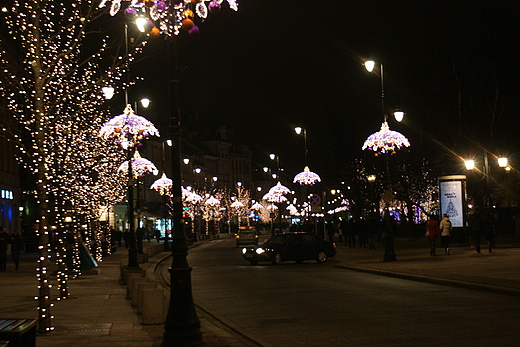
[(182, 325), (385, 141), (128, 129), (306, 177), (486, 171)]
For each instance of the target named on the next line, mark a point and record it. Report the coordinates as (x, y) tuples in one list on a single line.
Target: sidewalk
[(498, 271), (98, 313)]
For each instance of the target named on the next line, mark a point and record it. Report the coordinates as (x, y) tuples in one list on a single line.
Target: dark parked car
[(246, 236), (291, 246)]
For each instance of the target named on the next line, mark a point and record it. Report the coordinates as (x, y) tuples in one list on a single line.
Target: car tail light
[(334, 244), (256, 236), (237, 236)]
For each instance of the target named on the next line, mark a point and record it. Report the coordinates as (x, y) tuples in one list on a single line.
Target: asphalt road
[(314, 305)]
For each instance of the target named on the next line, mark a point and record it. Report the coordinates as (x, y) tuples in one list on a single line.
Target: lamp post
[(182, 325), (386, 142), (298, 131), (128, 129), (486, 171)]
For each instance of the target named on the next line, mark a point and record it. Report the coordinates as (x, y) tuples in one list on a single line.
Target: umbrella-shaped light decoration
[(140, 166), (237, 204), (213, 202), (272, 208), (385, 141), (279, 189), (128, 129), (171, 15), (274, 198), (307, 177), (292, 209), (193, 198), (257, 206), (163, 185)]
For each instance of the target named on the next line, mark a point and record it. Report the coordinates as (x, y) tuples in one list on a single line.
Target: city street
[(320, 304)]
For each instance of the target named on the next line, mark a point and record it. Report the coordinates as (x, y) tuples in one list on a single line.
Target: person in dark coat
[(373, 229), (489, 230), (17, 248), (351, 233), (5, 240), (432, 233), (476, 227)]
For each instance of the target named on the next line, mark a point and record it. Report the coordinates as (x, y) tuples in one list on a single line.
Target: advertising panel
[(452, 201)]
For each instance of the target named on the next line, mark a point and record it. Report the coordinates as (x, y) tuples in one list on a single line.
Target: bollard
[(131, 288), (139, 295), (153, 305)]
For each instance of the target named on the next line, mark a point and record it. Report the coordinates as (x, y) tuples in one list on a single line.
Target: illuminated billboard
[(452, 197)]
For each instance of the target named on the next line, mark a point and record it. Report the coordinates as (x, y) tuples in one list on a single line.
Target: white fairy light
[(306, 177), (385, 140)]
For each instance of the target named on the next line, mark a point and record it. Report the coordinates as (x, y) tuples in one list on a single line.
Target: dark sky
[(274, 65)]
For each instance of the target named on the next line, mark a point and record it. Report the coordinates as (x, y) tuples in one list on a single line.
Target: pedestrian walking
[(476, 227), (362, 233), (445, 229), (17, 247), (5, 240), (373, 228), (489, 230), (351, 233), (432, 233)]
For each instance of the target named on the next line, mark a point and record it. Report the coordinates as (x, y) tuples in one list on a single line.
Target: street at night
[(143, 142), (313, 304)]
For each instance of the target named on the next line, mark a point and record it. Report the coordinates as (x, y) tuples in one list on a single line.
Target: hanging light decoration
[(140, 166), (292, 210), (272, 208), (274, 198), (171, 15), (306, 177), (128, 128), (163, 185), (193, 198), (279, 189), (213, 202), (237, 204), (385, 141), (257, 206)]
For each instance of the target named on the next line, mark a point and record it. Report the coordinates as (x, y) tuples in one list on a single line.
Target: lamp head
[(369, 65)]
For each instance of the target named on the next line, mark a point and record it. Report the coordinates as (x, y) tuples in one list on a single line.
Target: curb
[(434, 280)]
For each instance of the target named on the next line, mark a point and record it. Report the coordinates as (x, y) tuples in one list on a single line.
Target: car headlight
[(244, 250), (260, 250)]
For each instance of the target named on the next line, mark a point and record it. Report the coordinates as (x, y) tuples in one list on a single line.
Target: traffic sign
[(315, 200)]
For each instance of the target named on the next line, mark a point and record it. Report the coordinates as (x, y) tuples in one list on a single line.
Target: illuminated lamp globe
[(369, 65), (144, 25), (214, 7), (130, 12), (188, 13), (155, 32), (161, 5), (194, 31), (187, 24)]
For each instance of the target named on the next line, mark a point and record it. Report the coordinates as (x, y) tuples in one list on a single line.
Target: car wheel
[(277, 259), (254, 262), (321, 257)]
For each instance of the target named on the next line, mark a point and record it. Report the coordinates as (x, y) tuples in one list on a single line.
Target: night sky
[(274, 65)]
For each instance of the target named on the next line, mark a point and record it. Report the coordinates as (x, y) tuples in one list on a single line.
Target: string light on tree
[(52, 95)]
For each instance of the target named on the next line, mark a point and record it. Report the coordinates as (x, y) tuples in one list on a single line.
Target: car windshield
[(247, 232), (278, 238)]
